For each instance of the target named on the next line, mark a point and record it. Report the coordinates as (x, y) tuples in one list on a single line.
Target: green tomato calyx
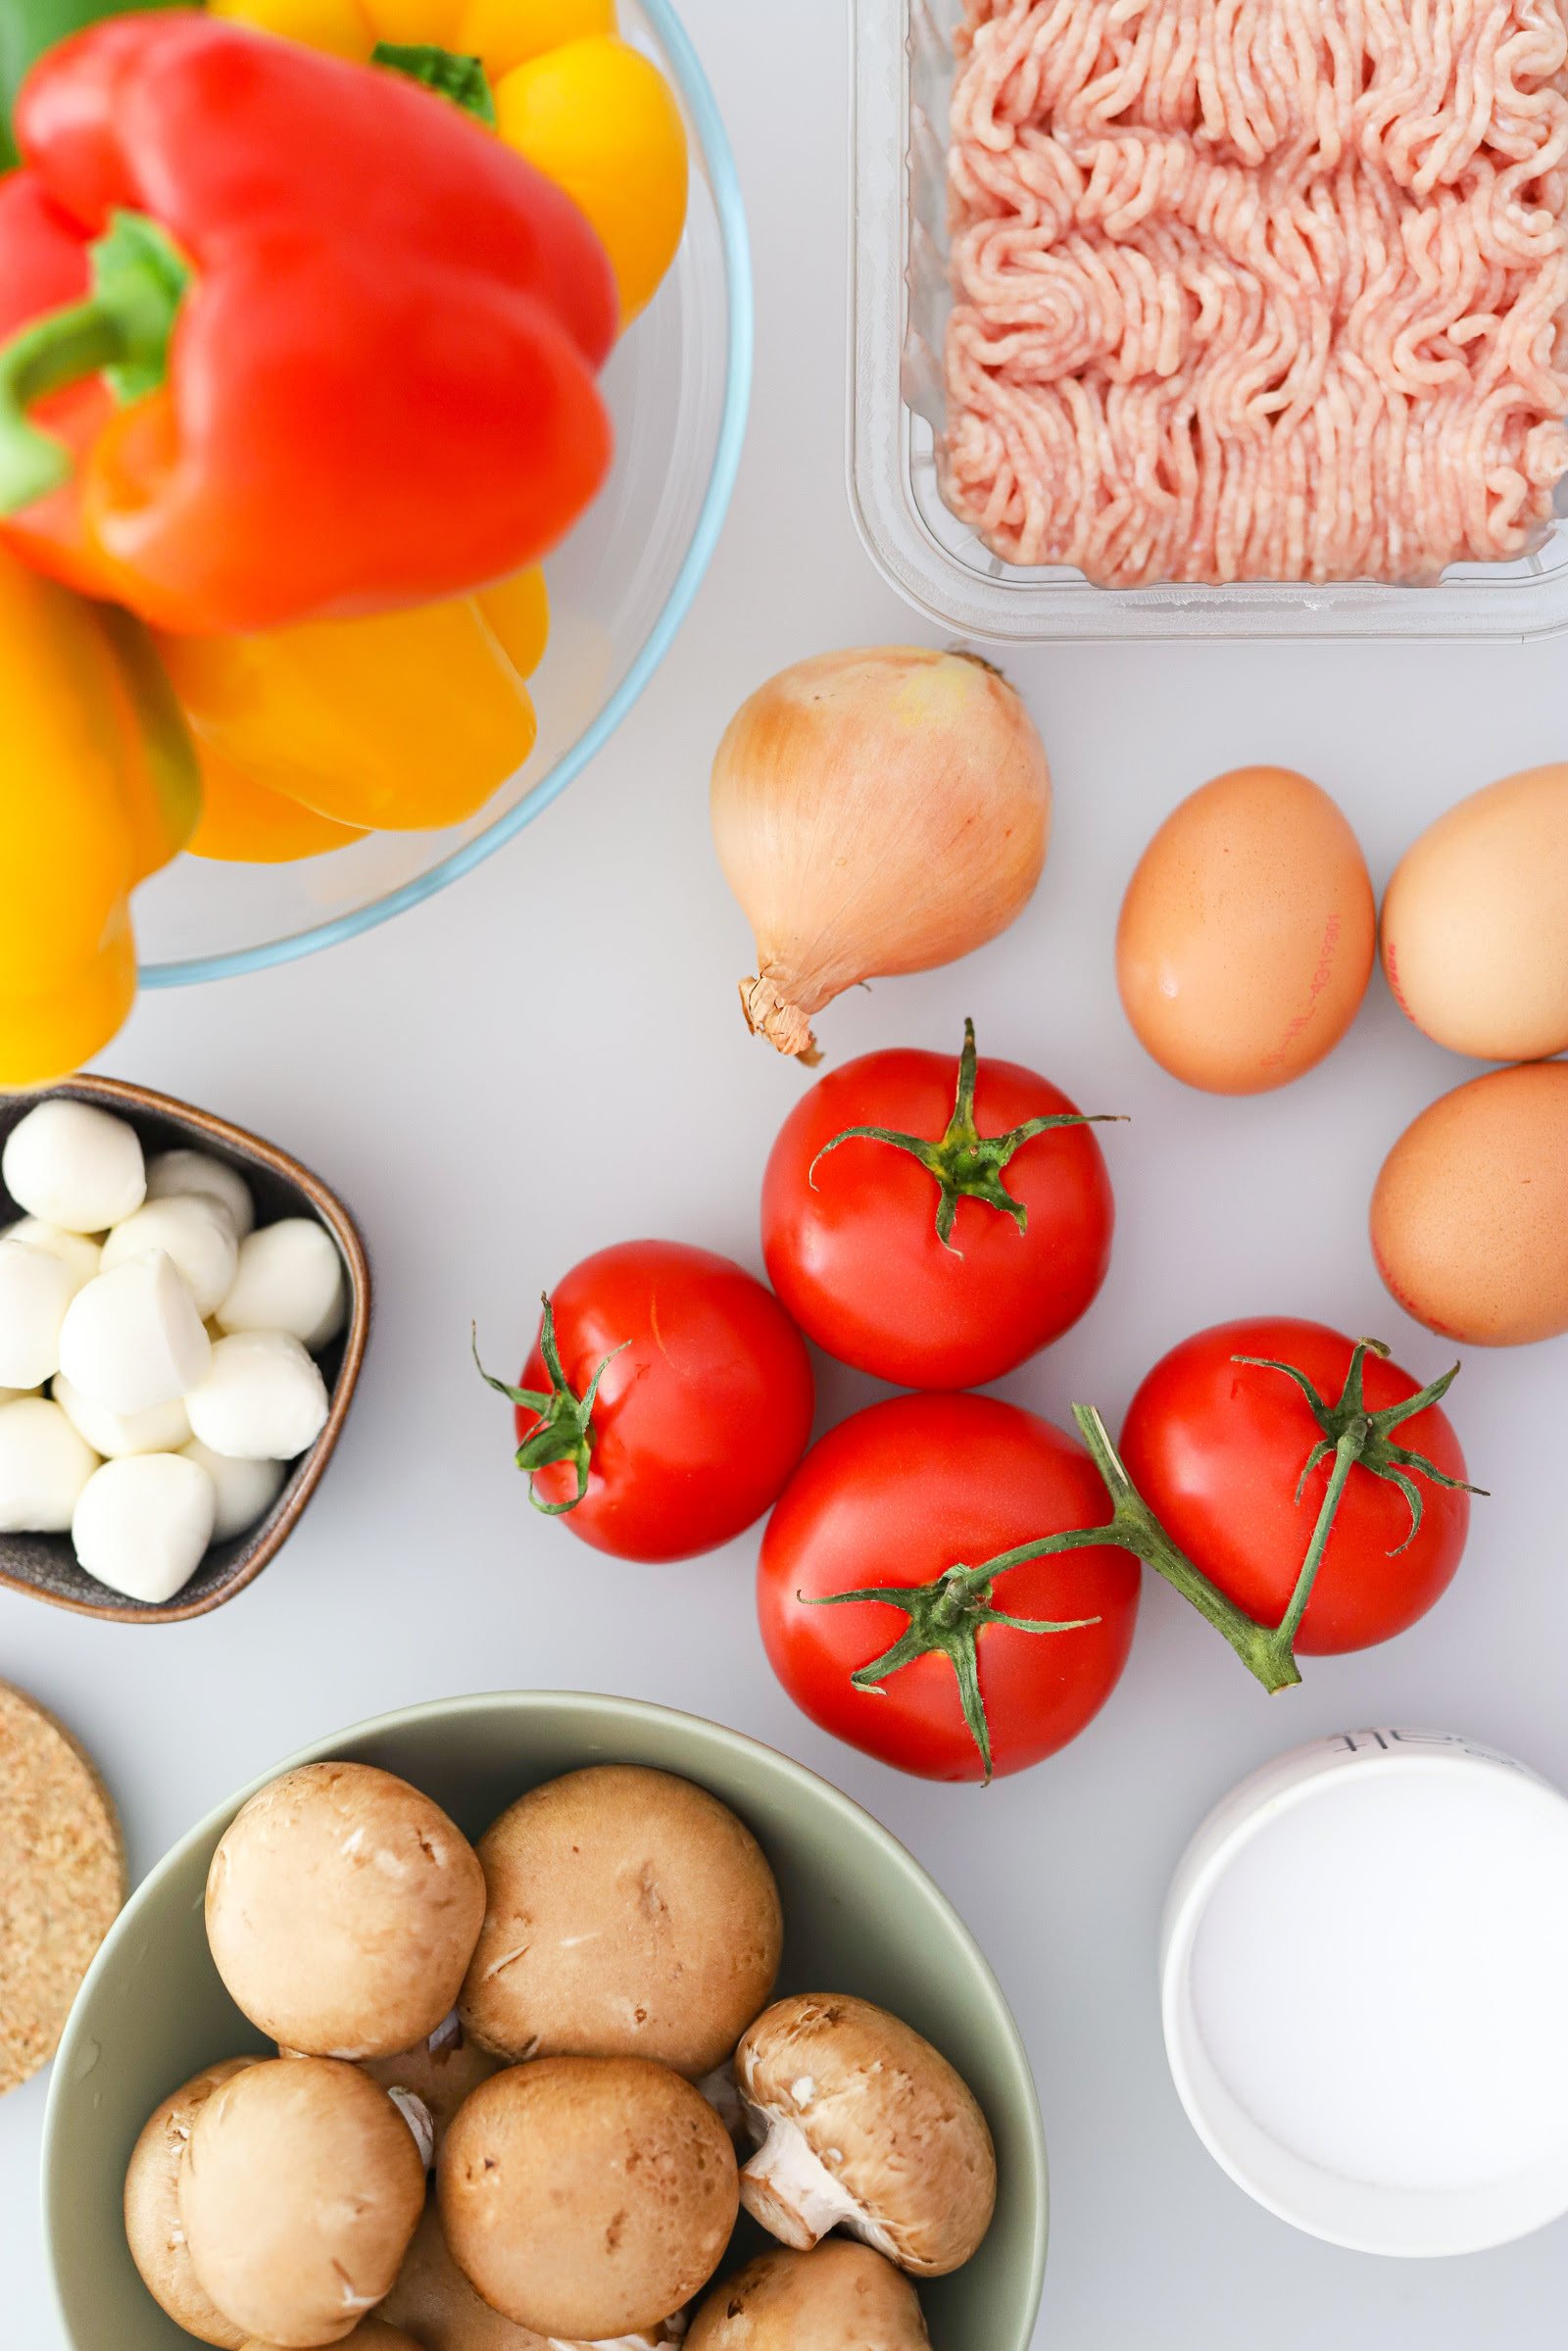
[(967, 1164), (566, 1431)]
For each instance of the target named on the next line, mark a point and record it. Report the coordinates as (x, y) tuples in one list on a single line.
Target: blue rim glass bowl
[(678, 386)]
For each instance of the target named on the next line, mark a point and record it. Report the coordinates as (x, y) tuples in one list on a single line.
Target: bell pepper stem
[(449, 72), (57, 351), (121, 331)]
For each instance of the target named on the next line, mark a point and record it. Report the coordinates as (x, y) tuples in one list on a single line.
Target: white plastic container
[(1363, 1962), (899, 298)]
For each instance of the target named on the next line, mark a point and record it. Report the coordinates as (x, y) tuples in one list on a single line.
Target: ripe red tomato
[(850, 1234), (702, 1409), (894, 1498), (1216, 1448)]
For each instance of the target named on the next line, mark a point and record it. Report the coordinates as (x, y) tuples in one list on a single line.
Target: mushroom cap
[(342, 1909), (887, 2116), (587, 2197), (299, 2192), (843, 2297), (434, 2300), (629, 1914), (153, 2228), (370, 2334)]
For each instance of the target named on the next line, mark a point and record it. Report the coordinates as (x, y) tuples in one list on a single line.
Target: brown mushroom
[(841, 2298), (628, 1914), (299, 2192), (370, 2334), (429, 2082), (862, 2126), (438, 2306), (587, 2197), (342, 1910), (434, 2300), (153, 2230)]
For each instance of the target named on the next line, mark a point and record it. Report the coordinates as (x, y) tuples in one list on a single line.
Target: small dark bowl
[(45, 1565)]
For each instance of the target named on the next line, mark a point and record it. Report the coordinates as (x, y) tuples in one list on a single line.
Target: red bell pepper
[(326, 346)]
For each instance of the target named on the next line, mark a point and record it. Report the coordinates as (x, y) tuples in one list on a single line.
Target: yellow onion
[(875, 811)]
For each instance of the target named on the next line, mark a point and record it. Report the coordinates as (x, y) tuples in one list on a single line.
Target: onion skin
[(875, 811)]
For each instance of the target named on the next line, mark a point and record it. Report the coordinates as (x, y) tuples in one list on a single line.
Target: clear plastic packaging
[(904, 71)]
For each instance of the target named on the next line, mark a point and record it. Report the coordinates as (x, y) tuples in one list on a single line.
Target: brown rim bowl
[(44, 1566)]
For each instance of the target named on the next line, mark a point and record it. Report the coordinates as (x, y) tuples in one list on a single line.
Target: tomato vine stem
[(949, 1614), (1356, 1436)]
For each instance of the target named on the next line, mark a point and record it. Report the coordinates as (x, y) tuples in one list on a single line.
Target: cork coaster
[(62, 1879)]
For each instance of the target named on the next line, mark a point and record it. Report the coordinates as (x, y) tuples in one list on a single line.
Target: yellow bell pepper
[(600, 120), (98, 786), (585, 108), (244, 824), (406, 721)]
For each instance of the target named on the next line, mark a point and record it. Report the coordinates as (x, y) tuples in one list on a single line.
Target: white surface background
[(551, 1057)]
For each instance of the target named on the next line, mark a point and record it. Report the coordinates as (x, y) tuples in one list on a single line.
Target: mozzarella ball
[(35, 1292), (197, 1233), (263, 1398), (76, 1251), (172, 1173), (44, 1464), (290, 1277), (133, 1338), (141, 1525), (164, 1429), (246, 1490), (75, 1165)]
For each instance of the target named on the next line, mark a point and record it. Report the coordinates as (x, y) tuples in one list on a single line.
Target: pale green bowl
[(860, 1915)]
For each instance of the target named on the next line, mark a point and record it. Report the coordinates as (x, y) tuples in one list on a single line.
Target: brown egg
[(1246, 933), (1475, 921), (1470, 1215)]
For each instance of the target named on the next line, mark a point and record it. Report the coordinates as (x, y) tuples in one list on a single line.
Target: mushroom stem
[(668, 2332), (789, 2192), (722, 2094), (414, 2112)]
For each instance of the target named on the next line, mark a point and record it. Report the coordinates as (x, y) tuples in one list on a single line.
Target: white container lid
[(1364, 1984)]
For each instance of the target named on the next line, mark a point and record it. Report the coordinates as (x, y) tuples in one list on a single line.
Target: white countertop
[(550, 1056)]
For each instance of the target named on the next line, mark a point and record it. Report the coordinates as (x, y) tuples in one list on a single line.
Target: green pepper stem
[(446, 72), (122, 330)]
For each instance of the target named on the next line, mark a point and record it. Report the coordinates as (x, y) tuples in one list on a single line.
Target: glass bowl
[(619, 586)]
